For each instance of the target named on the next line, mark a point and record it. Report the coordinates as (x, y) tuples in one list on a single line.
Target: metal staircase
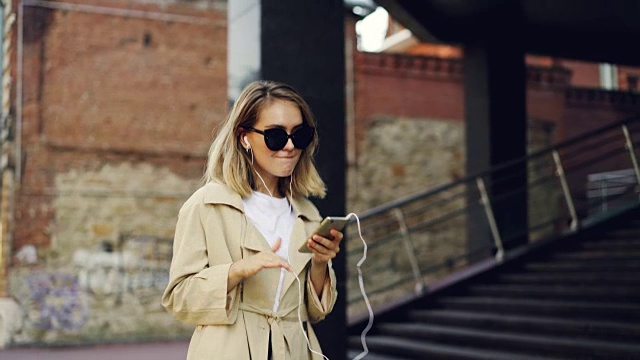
[(572, 292)]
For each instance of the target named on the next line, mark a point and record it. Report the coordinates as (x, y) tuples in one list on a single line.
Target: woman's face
[(280, 163)]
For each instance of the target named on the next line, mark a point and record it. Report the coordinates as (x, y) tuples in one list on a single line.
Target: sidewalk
[(146, 351)]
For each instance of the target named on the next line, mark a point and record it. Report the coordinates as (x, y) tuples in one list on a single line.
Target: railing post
[(565, 190), (632, 151), (411, 252), (603, 196), (484, 199)]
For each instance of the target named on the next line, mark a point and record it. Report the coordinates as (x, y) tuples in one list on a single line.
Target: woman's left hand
[(323, 249)]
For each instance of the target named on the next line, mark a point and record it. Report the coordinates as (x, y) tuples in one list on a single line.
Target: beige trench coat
[(211, 233)]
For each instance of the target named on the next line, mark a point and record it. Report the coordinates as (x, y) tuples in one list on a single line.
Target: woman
[(235, 258)]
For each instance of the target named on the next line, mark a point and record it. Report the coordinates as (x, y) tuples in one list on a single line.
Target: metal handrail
[(412, 235), (402, 201)]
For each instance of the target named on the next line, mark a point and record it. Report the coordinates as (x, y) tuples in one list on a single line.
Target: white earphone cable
[(300, 319), (256, 170), (363, 335)]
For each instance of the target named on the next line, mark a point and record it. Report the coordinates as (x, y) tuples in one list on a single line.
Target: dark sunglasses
[(276, 138)]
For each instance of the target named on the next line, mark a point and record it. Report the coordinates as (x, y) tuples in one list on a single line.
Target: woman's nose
[(289, 145)]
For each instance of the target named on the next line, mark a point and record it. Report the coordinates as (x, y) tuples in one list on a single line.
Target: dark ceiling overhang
[(591, 30)]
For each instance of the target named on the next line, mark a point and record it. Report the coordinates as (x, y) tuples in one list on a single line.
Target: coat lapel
[(304, 210), (254, 240), (297, 259)]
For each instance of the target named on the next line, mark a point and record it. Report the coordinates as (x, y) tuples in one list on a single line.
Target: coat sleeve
[(319, 307), (197, 291)]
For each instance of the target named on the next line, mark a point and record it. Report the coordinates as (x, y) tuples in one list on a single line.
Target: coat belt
[(278, 345)]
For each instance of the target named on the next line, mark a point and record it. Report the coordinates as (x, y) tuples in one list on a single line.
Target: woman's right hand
[(248, 267)]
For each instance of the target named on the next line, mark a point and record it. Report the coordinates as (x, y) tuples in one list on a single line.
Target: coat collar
[(216, 193)]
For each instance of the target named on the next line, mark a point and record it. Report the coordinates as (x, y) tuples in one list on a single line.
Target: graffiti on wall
[(103, 291), (136, 267), (54, 301)]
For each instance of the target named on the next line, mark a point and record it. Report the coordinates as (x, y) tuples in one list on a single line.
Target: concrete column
[(495, 115), (302, 43)]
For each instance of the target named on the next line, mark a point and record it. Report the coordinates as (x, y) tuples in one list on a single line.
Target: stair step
[(577, 328), (595, 265), (612, 244), (417, 349), (630, 231), (573, 278), (538, 344), (559, 292), (562, 309), (597, 254)]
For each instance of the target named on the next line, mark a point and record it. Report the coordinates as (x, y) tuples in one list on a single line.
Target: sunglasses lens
[(302, 137), (276, 139)]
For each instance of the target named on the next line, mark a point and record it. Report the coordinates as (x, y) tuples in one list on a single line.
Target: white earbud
[(246, 140)]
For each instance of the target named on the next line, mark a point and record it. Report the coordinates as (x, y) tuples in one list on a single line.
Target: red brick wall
[(587, 109), (624, 72), (402, 85), (585, 74), (102, 88), (413, 86)]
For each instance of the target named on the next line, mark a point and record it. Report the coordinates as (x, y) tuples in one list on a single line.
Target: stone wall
[(103, 275), (402, 156)]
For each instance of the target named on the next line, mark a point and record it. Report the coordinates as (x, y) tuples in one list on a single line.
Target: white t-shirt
[(274, 218)]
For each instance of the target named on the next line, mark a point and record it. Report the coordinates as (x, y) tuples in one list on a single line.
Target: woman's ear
[(244, 140)]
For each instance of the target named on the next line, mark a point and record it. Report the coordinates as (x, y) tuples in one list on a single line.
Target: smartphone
[(328, 223)]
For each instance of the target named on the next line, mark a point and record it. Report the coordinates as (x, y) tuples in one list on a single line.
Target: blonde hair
[(228, 162)]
